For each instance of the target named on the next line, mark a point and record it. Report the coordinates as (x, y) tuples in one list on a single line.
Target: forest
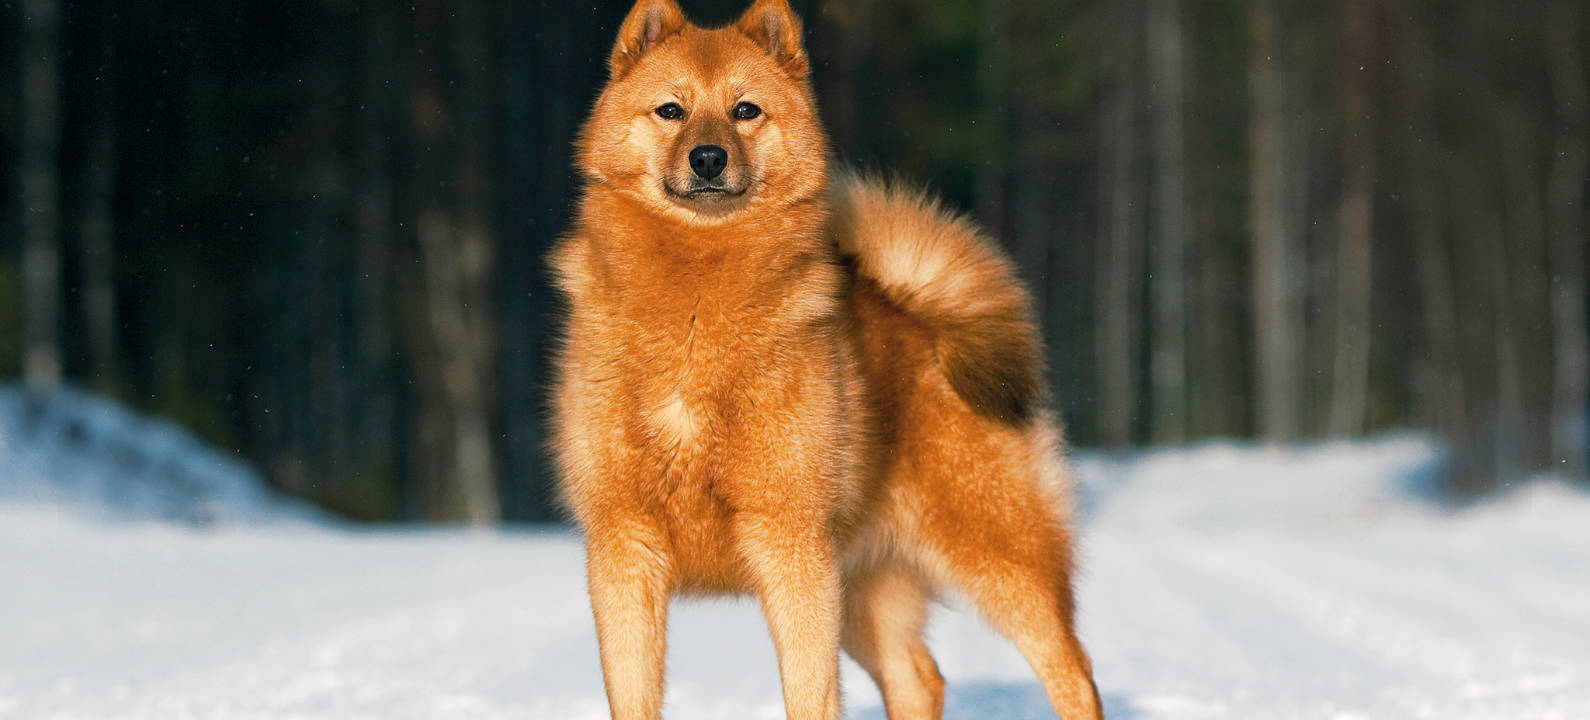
[(313, 230)]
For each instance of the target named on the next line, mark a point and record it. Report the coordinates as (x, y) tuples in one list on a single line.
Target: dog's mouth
[(709, 192)]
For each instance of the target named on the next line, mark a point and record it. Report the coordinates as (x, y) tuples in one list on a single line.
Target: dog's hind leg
[(1045, 635), (885, 612), (630, 591), (1031, 604), (984, 523)]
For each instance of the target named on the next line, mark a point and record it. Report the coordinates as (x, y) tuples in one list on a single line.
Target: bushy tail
[(937, 267)]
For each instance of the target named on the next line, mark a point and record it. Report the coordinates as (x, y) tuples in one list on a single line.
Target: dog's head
[(701, 124)]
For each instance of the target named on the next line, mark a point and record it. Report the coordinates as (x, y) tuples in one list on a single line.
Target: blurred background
[(312, 230)]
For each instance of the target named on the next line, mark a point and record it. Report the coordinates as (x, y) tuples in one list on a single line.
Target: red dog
[(777, 380)]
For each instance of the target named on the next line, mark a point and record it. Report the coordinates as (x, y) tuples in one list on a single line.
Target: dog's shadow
[(1002, 701)]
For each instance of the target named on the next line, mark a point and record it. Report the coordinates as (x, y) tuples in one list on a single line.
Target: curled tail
[(934, 265)]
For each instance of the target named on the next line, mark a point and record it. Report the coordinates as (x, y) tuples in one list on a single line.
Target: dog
[(776, 378)]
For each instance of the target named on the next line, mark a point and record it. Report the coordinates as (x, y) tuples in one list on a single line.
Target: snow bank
[(1221, 483), (74, 449)]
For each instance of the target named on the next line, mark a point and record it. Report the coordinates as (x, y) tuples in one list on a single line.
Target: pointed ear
[(777, 29), (649, 23)]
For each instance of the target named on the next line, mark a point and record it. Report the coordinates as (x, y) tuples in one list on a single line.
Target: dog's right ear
[(771, 24), (649, 23)]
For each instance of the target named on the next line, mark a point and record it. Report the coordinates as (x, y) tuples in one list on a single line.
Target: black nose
[(708, 161)]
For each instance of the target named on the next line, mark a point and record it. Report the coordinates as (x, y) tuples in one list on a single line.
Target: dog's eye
[(746, 111), (670, 111)]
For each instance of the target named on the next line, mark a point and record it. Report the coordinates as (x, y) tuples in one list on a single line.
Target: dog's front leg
[(629, 574), (797, 578)]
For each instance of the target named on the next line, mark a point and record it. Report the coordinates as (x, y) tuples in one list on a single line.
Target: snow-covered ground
[(143, 575)]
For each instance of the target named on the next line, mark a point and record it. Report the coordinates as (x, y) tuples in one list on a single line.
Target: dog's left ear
[(777, 29)]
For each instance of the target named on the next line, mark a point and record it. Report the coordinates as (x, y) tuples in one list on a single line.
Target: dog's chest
[(694, 337), (689, 373), (687, 366), (693, 347)]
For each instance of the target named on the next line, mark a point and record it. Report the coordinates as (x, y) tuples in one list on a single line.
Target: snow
[(74, 448), (1222, 581), (1231, 583)]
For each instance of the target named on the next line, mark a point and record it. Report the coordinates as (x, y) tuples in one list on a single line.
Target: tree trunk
[(96, 229), (841, 50), (1032, 201), (40, 184), (476, 260), (456, 253), (1527, 384), (1438, 302), (375, 452), (993, 81), (1355, 253), (1119, 291), (1511, 340), (1275, 297), (453, 265), (1485, 341), (1167, 254), (1565, 219)]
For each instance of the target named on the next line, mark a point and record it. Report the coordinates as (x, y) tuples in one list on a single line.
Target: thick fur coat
[(777, 379)]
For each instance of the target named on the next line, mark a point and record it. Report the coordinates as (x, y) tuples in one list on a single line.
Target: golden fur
[(814, 388)]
